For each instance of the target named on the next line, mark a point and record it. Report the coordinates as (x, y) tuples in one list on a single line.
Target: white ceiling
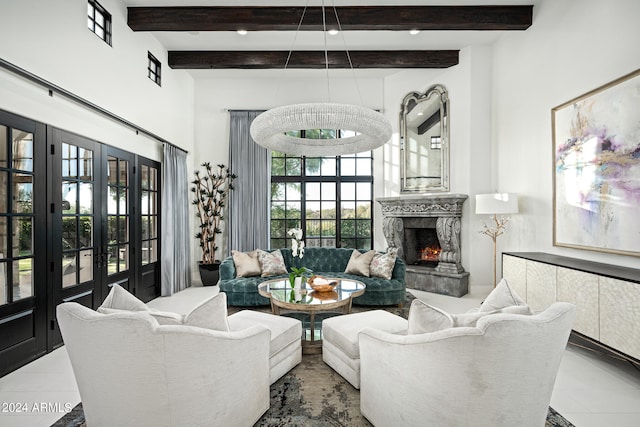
[(314, 40)]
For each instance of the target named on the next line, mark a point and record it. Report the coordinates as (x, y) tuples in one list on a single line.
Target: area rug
[(312, 394)]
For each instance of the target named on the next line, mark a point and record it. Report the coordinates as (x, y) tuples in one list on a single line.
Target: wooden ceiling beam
[(396, 18), (254, 60)]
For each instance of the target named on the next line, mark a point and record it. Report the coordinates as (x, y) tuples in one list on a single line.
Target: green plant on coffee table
[(297, 251), (211, 190)]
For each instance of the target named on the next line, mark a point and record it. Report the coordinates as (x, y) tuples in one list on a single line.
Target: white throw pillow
[(470, 319), (120, 299), (424, 318), (272, 264), (382, 264), (247, 263), (359, 263), (502, 296), (211, 314)]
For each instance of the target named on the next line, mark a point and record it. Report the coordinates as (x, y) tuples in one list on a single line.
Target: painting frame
[(596, 169)]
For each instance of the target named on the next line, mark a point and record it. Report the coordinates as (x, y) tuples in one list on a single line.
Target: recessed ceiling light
[(333, 32), (414, 32), (242, 32)]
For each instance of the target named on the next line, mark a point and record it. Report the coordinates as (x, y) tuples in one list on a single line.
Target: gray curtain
[(176, 237), (249, 201)]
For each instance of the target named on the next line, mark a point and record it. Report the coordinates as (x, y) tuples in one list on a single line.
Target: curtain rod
[(79, 100)]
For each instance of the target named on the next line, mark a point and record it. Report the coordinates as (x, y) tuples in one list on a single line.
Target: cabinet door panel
[(581, 289), (514, 271), (541, 285), (620, 315)]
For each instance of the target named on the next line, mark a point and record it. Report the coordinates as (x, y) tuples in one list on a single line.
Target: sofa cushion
[(272, 263), (284, 330), (359, 263), (247, 263), (382, 264), (501, 296), (342, 331)]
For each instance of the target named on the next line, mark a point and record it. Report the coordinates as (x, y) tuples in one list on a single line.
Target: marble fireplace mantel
[(448, 277)]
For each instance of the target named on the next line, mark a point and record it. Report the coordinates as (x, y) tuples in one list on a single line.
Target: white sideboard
[(607, 297)]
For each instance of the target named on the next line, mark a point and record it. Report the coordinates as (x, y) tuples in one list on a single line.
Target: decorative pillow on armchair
[(360, 263), (119, 299), (272, 263), (382, 264), (210, 314), (424, 318), (500, 297), (247, 263)]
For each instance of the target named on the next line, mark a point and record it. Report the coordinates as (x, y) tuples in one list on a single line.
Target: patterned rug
[(312, 394)]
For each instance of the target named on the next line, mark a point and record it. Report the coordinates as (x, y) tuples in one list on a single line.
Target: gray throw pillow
[(359, 264)]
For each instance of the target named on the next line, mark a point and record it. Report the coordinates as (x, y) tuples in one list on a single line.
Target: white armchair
[(499, 373), (132, 371)]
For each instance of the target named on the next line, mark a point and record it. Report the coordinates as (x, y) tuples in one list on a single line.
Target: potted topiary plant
[(211, 190)]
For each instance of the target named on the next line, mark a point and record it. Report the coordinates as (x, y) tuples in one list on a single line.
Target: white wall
[(469, 88), (574, 46), (51, 40)]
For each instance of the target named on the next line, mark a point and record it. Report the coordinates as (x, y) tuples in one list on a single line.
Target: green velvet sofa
[(328, 262)]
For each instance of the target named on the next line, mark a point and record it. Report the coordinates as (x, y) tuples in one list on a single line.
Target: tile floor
[(591, 389)]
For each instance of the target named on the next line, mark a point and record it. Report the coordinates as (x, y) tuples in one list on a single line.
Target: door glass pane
[(122, 201), (123, 257), (3, 236), (4, 184), (4, 291), (22, 150), (85, 234), (145, 253), (86, 198), (154, 250), (24, 232), (3, 146), (112, 201), (153, 179), (69, 269), (123, 228), (144, 177), (112, 172), (69, 197), (22, 279), (22, 193), (86, 265), (69, 233), (69, 161), (112, 229), (112, 256), (123, 176), (85, 164)]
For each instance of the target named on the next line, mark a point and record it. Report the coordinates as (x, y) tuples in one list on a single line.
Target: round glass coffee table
[(311, 307)]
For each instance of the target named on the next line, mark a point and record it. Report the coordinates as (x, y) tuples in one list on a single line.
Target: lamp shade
[(496, 203)]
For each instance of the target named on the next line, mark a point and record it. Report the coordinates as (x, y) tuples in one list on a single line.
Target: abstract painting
[(596, 146)]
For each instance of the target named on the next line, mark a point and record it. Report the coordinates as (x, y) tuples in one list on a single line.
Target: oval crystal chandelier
[(273, 128)]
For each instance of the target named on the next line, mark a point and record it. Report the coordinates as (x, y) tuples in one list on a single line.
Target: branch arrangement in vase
[(211, 189)]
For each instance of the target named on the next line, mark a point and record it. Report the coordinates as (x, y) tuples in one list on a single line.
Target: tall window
[(330, 198), (99, 21)]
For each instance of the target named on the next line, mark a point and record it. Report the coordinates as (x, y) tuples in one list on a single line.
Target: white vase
[(297, 284)]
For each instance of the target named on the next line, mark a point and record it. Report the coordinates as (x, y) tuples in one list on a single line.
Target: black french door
[(76, 217), (23, 274)]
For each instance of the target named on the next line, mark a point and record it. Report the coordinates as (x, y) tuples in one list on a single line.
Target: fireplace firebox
[(426, 231)]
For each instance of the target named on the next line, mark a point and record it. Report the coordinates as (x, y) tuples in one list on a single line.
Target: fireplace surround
[(426, 231)]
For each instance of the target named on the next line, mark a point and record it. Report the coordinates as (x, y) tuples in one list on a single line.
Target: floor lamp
[(496, 204)]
